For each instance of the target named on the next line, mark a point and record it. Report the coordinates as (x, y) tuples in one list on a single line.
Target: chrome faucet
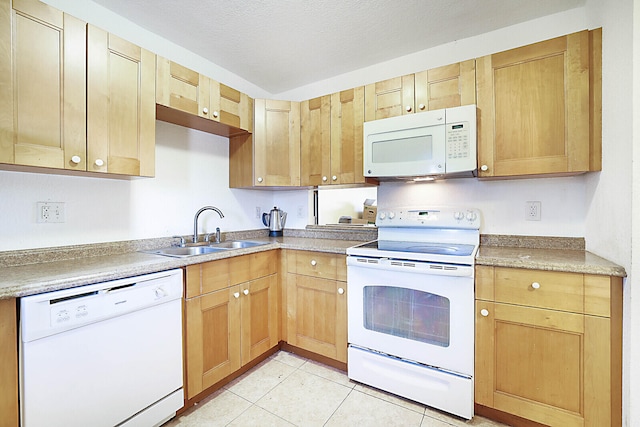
[(195, 219)]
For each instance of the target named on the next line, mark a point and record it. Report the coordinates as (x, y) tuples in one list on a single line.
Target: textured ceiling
[(280, 45)]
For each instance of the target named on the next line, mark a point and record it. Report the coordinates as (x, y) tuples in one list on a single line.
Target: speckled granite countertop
[(543, 253), (28, 272), (43, 271)]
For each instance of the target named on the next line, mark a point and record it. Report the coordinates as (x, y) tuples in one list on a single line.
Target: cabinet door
[(259, 317), (347, 119), (447, 86), (42, 86), (317, 315), (181, 88), (120, 106), (276, 143), (315, 141), (389, 98), (533, 106), (230, 106), (212, 342), (9, 368), (544, 365)]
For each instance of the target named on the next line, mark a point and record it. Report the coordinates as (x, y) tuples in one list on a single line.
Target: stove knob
[(382, 215), (392, 215), (471, 216), (458, 215)]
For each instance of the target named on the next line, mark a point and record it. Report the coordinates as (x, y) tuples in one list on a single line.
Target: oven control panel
[(441, 217)]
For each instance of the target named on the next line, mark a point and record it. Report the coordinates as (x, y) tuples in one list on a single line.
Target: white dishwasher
[(108, 354)]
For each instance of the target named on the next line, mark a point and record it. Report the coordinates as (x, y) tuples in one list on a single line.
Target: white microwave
[(429, 144)]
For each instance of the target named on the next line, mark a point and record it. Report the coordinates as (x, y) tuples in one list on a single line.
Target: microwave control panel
[(458, 140)]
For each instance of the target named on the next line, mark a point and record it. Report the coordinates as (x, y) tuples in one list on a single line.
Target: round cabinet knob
[(334, 178), (236, 294), (324, 179), (484, 168), (216, 114), (314, 262), (422, 107), (76, 159), (340, 291), (259, 179), (99, 162), (408, 108), (205, 110), (246, 292), (535, 285), (484, 312)]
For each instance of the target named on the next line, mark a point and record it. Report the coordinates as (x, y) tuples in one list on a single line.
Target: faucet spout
[(195, 219)]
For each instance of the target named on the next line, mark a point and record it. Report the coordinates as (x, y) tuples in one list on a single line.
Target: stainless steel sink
[(188, 251), (236, 244), (178, 252)]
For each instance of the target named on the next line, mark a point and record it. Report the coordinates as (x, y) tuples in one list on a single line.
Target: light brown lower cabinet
[(549, 345), (233, 321), (9, 366), (316, 295)]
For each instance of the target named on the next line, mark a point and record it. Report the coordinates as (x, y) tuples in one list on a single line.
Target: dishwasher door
[(103, 355)]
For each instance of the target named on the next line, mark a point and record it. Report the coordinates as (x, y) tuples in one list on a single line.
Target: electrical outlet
[(258, 212), (532, 212), (50, 212)]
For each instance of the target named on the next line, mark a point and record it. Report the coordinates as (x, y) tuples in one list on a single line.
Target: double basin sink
[(188, 251)]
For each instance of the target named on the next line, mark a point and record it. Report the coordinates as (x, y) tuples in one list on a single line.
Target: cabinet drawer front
[(544, 289), (316, 264)]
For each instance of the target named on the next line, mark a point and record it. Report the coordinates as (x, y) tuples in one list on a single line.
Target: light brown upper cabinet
[(271, 156), (183, 90), (445, 87), (331, 138), (389, 98), (42, 86), (315, 141), (121, 121), (535, 107), (231, 107), (180, 88), (347, 119)]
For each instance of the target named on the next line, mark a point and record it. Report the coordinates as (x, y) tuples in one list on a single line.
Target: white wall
[(192, 170)]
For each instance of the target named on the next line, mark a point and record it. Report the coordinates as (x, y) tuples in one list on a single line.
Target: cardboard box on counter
[(370, 212)]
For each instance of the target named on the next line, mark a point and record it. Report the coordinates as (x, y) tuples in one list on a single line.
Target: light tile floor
[(288, 390)]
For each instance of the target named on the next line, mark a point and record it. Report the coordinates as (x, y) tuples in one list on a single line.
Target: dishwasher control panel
[(53, 312)]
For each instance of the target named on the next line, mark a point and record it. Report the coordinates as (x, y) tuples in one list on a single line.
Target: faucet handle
[(182, 241)]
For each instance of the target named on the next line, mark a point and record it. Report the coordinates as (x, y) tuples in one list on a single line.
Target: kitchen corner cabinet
[(121, 121), (9, 407), (42, 86), (536, 107), (271, 156), (549, 346), (184, 90), (316, 298), (231, 316)]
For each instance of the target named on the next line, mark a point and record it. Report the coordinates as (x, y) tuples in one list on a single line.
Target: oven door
[(413, 310)]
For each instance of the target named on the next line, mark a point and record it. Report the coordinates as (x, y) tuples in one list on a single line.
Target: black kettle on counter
[(275, 221)]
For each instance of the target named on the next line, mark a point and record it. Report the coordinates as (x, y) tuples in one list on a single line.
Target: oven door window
[(407, 313)]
